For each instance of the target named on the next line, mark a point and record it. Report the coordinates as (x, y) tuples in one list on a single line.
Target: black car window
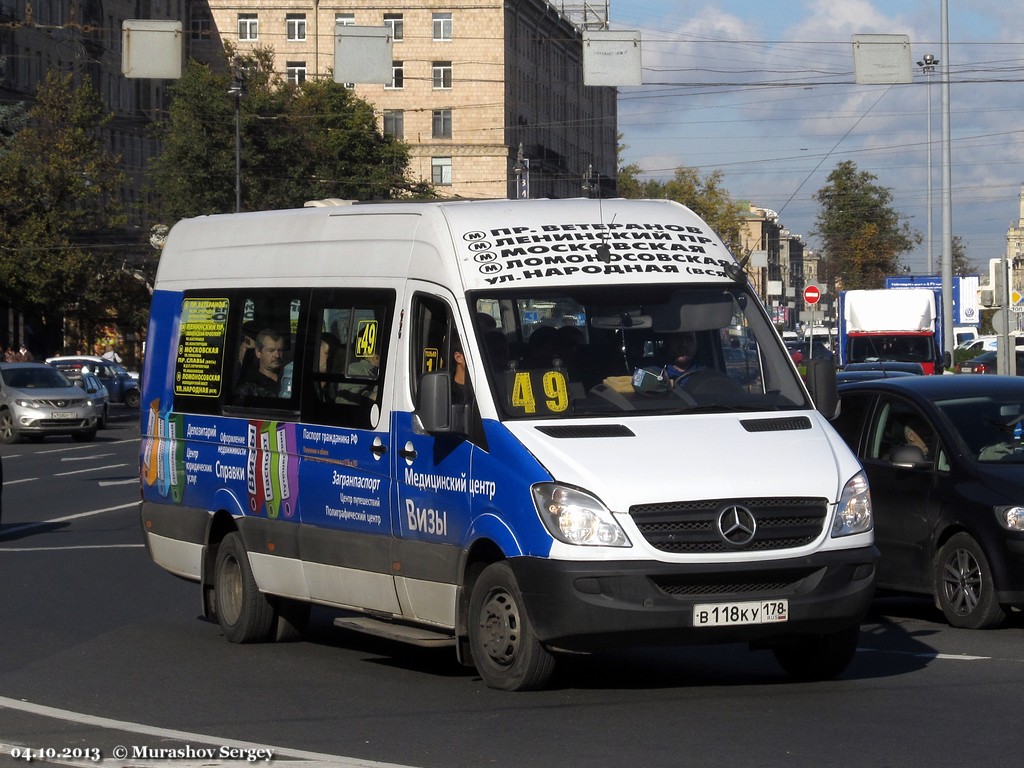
[(855, 409), (898, 423)]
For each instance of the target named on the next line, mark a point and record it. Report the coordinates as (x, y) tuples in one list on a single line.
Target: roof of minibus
[(480, 244)]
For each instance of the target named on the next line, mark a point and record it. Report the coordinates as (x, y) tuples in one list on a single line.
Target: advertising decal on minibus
[(523, 252)]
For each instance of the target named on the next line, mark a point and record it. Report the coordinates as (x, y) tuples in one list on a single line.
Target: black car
[(987, 362), (944, 457)]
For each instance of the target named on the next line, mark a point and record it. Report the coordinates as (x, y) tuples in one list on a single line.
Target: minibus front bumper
[(591, 605)]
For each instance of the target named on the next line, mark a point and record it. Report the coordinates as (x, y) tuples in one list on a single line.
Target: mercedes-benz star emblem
[(737, 525)]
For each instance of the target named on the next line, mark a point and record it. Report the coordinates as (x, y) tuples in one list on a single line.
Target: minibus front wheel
[(506, 651), (244, 613)]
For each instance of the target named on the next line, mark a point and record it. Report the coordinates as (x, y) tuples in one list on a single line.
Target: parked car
[(98, 396), (38, 400), (944, 457), (120, 384), (987, 362)]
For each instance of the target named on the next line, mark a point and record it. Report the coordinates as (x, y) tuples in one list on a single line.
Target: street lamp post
[(237, 90), (927, 65)]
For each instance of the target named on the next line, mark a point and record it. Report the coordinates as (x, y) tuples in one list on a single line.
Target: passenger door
[(433, 473), (902, 498), (343, 377)]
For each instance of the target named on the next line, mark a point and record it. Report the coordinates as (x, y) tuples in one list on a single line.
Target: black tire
[(964, 587), (8, 434), (506, 651), (102, 424), (244, 613), (818, 657), (132, 398), (84, 437)]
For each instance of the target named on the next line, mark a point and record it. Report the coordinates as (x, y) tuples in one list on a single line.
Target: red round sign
[(811, 294)]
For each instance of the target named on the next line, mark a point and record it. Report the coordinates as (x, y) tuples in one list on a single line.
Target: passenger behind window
[(327, 362), (265, 380)]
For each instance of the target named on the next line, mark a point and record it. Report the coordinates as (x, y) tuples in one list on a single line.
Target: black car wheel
[(963, 581), (132, 398)]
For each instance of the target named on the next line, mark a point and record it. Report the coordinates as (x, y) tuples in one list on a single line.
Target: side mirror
[(434, 402), (947, 361), (909, 457), (821, 383)]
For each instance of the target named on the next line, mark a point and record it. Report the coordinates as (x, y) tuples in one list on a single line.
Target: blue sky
[(765, 93)]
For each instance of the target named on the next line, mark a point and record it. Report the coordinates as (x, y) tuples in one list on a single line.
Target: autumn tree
[(861, 235), (706, 196), (60, 201)]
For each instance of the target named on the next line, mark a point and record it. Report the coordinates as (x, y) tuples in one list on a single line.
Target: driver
[(682, 354)]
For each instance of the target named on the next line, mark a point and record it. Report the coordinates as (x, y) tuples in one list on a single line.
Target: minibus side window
[(265, 327), (347, 357)]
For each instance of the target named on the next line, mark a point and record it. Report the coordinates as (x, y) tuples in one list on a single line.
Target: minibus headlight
[(853, 513), (576, 517)]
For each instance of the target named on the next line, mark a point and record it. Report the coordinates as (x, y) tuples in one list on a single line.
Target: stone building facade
[(471, 83)]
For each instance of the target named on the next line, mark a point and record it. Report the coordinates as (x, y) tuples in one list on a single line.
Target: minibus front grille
[(776, 583), (696, 527)]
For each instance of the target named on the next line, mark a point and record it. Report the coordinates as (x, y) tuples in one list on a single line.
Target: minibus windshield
[(653, 349)]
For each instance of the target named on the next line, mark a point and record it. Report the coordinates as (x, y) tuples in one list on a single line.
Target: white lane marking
[(66, 518), (90, 457), (129, 481), (65, 549), (316, 759), (91, 469), (927, 654)]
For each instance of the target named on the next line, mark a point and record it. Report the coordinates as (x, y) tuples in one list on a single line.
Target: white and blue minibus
[(470, 424)]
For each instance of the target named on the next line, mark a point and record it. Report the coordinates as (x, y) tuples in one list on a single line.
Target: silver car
[(38, 400)]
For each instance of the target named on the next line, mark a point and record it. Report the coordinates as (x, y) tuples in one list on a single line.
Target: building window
[(248, 26), (295, 24), (442, 26), (442, 74), (296, 72), (442, 124), (441, 171), (199, 26), (397, 75), (394, 123), (395, 23)]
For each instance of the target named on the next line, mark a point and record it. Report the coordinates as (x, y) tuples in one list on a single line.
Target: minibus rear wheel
[(506, 651), (244, 613)]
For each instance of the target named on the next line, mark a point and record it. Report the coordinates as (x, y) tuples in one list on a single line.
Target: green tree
[(298, 142), (706, 196), (862, 236), (60, 201)]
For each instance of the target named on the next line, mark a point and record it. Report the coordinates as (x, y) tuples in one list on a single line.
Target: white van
[(460, 423)]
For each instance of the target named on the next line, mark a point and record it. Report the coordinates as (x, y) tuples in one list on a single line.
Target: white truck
[(891, 325)]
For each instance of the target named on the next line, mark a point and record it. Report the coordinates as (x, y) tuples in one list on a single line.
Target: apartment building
[(472, 82)]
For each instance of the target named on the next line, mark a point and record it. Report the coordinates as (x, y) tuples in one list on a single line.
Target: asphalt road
[(102, 649)]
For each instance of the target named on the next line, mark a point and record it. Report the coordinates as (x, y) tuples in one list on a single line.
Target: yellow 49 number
[(554, 397)]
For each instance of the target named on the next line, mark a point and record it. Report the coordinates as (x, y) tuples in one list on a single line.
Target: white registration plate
[(734, 614), (63, 415)]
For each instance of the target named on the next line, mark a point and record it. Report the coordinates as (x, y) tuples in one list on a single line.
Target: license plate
[(734, 614), (63, 415)]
